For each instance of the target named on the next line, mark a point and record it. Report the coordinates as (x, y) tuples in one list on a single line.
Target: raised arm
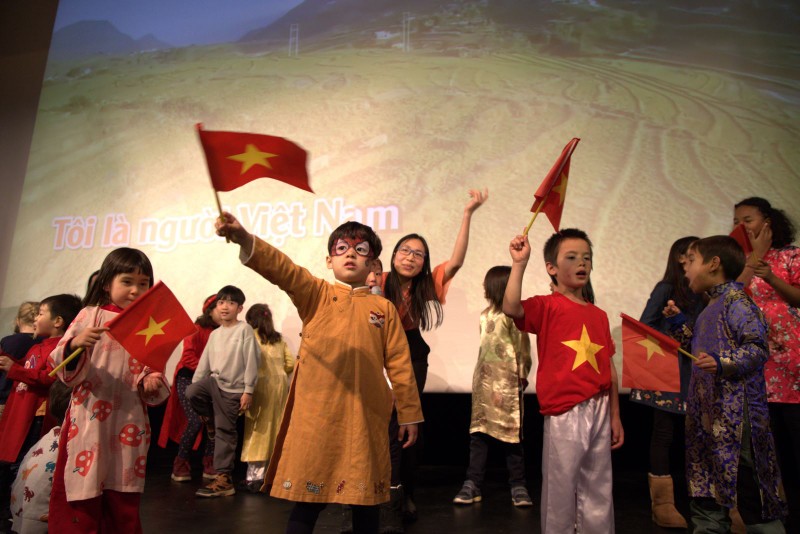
[(520, 250), (476, 200)]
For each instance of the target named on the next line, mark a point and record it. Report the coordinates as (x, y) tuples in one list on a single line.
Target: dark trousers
[(409, 461), (209, 401), (479, 451), (304, 516), (664, 425), (193, 422)]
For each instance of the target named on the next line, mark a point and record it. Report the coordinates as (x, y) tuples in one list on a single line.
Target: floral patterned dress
[(782, 370)]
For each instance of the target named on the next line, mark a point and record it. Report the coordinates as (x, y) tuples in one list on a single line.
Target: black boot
[(347, 520), (392, 512)]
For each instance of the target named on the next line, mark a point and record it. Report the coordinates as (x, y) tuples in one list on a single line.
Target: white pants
[(576, 470)]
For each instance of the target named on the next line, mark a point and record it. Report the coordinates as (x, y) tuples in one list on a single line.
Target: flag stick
[(221, 216), (527, 228), (68, 359), (687, 354)]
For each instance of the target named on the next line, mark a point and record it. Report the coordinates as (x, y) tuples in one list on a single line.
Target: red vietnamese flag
[(235, 159), (152, 326), (740, 235), (649, 358), (553, 190)]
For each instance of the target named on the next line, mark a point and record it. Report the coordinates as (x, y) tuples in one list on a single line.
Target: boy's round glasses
[(405, 251), (341, 247)]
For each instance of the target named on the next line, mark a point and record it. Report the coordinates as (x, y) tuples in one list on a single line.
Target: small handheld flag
[(549, 198), (740, 235), (649, 358), (152, 326), (235, 159)]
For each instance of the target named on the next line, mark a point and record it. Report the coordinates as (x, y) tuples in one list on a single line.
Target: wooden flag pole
[(68, 359), (527, 228), (688, 354), (219, 207)]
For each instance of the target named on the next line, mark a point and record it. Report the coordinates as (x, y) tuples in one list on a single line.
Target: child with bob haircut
[(576, 383), (332, 446), (500, 377), (102, 453), (730, 453)]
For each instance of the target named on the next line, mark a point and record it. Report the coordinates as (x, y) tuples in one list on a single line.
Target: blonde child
[(17, 345), (264, 416), (102, 455), (576, 384), (501, 374)]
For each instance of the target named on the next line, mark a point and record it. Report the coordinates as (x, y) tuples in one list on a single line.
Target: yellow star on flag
[(561, 188), (252, 156), (153, 329), (652, 346), (585, 350)]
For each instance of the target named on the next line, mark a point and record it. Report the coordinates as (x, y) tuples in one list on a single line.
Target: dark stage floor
[(172, 507)]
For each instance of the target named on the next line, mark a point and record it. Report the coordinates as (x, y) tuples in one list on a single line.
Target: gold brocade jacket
[(504, 359)]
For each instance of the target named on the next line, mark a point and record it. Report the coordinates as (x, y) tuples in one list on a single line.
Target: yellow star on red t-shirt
[(585, 350)]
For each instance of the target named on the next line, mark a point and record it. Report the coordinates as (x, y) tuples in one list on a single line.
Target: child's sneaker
[(520, 497), (209, 473), (181, 471), (469, 494), (209, 424), (222, 486)]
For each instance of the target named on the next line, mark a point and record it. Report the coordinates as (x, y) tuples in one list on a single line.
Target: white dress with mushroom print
[(108, 432)]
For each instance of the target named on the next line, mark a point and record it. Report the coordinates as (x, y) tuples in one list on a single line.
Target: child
[(22, 420), (30, 495), (730, 455), (332, 445), (17, 345), (102, 454), (418, 294), (501, 374), (375, 277), (262, 420), (576, 384), (772, 275), (181, 423), (669, 409), (223, 383)]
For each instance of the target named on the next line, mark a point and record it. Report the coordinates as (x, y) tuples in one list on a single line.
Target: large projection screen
[(403, 107)]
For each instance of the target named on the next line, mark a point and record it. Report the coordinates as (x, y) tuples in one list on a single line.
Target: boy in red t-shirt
[(576, 384)]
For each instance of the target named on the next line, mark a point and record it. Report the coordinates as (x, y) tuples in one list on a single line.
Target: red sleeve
[(37, 376), (534, 308), (193, 346), (438, 281)]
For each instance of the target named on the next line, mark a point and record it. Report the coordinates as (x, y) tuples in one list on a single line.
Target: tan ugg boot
[(663, 503)]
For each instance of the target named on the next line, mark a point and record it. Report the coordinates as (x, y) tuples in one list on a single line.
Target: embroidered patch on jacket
[(377, 319), (380, 488), (287, 484), (361, 487), (316, 489), (340, 487)]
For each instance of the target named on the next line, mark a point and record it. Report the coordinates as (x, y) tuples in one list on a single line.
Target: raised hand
[(520, 249), (227, 226), (670, 310), (476, 199)]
